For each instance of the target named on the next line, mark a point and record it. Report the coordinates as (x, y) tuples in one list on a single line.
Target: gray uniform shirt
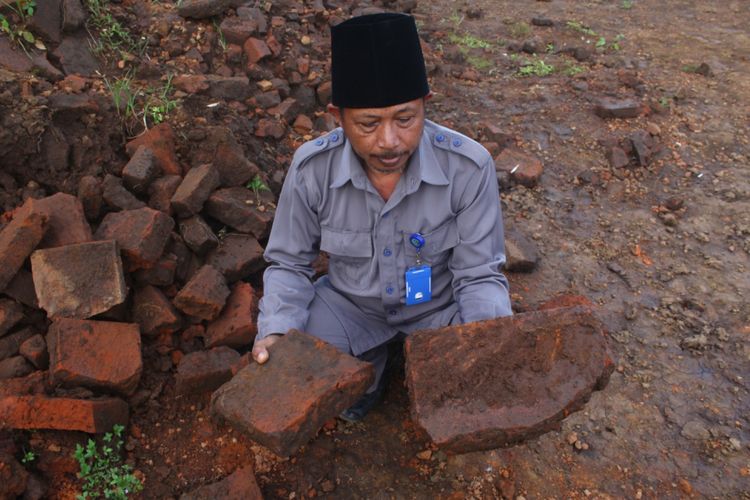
[(448, 193)]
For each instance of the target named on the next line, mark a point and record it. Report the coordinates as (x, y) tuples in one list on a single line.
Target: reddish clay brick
[(11, 313), (160, 140), (18, 239), (308, 381), (238, 207), (238, 256), (141, 235), (11, 344), (154, 312), (205, 371), (96, 354), (609, 107), (14, 478), (521, 254), (160, 193), (235, 327), (238, 29), (79, 281), (90, 195), (494, 383), (268, 127), (140, 171), (241, 484), (162, 274), (66, 222), (15, 367), (194, 190), (35, 383), (20, 288), (117, 197), (255, 50), (198, 235), (523, 168), (34, 349), (41, 412), (204, 295)]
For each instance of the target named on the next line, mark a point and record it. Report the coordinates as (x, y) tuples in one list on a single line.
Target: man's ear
[(336, 112)]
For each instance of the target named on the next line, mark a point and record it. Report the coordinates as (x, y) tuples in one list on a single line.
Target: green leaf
[(27, 36)]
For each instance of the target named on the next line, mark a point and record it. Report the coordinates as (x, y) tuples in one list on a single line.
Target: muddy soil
[(662, 249)]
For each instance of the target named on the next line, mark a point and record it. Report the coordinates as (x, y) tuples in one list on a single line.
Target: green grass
[(102, 470), (573, 70), (15, 26), (479, 63), (256, 185), (113, 40), (581, 28), (520, 29), (626, 4), (535, 67), (469, 41), (135, 103)]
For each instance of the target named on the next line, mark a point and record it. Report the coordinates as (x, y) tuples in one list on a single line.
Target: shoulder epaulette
[(326, 142), (452, 141)]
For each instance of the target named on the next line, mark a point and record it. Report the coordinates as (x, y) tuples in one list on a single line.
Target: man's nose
[(388, 137)]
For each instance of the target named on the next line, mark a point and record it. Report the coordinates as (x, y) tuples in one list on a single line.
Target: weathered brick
[(15, 367), (204, 295), (205, 371), (34, 349), (161, 274), (96, 354), (609, 107), (20, 288), (140, 171), (18, 239), (255, 50), (198, 235), (11, 344), (154, 312), (237, 257), (141, 235), (237, 30), (494, 383), (235, 327), (11, 313), (160, 140), (523, 168), (66, 222), (309, 382), (14, 478), (194, 190), (241, 484), (41, 412), (117, 197), (238, 207), (520, 252), (303, 125), (90, 195), (617, 157), (270, 127), (160, 193), (79, 281)]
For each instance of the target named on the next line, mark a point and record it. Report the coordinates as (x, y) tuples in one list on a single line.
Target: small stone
[(523, 168), (198, 235), (11, 313), (10, 345), (34, 349), (237, 208), (424, 455), (695, 431), (618, 108), (256, 50), (160, 140), (617, 157), (15, 367), (572, 438), (90, 195), (521, 253)]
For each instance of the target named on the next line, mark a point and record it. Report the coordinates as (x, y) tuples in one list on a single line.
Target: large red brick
[(117, 197), (66, 222), (523, 168), (494, 383), (240, 485), (97, 354), (198, 235), (21, 288), (205, 371), (237, 257), (160, 140), (140, 171), (141, 235), (204, 295), (79, 281), (238, 207), (283, 403), (235, 327), (255, 50), (18, 239), (41, 412), (160, 192), (90, 195), (194, 190), (154, 312), (11, 313)]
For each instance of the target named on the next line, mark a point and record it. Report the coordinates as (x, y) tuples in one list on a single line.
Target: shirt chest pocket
[(350, 255), (438, 243)]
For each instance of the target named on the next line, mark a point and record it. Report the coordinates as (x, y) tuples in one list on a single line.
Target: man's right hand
[(260, 349)]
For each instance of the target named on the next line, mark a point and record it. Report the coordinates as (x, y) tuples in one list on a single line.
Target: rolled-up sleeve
[(479, 287), (292, 246)]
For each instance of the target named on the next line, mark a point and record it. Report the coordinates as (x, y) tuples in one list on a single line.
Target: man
[(407, 211)]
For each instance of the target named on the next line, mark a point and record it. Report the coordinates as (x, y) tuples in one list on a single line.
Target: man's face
[(384, 138)]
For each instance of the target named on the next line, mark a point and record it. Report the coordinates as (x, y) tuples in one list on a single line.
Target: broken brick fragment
[(140, 171), (154, 312), (198, 235), (116, 196), (11, 313), (160, 193), (141, 235), (10, 345), (204, 295), (21, 288), (14, 367), (255, 50), (467, 401), (34, 349), (18, 239), (243, 210), (523, 168), (235, 327), (609, 107), (205, 371), (66, 222), (194, 190), (96, 354), (79, 281), (90, 195), (237, 257), (160, 140), (309, 382), (94, 416), (161, 274)]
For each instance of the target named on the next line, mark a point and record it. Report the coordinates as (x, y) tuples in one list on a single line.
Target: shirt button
[(387, 252), (456, 142), (319, 142), (334, 137), (389, 290), (393, 312), (440, 137)]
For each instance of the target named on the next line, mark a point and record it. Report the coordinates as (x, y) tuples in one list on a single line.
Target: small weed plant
[(113, 40), (626, 4), (134, 103), (581, 28), (28, 457), (535, 67), (102, 471), (573, 70), (257, 185), (15, 25), (520, 29)]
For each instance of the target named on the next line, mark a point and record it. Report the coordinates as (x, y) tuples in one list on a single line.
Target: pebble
[(424, 455), (695, 431)]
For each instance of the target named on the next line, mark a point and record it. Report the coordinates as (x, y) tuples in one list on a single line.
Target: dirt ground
[(662, 249)]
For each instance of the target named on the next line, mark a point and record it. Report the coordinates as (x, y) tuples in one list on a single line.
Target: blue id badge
[(418, 285)]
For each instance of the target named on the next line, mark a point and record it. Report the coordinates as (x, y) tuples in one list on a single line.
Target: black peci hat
[(376, 62)]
